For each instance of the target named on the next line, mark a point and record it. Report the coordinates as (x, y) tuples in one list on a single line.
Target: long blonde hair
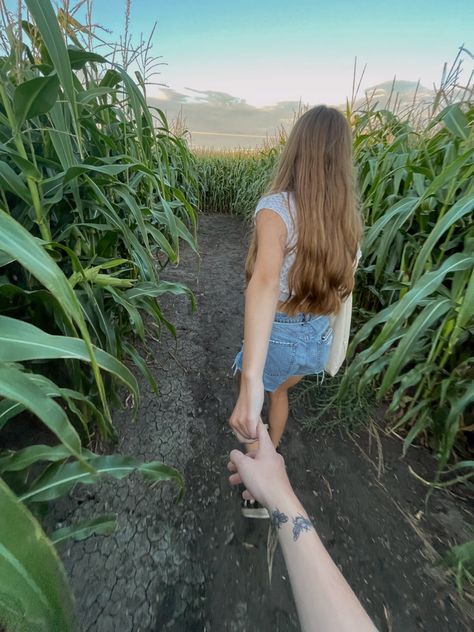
[(316, 166)]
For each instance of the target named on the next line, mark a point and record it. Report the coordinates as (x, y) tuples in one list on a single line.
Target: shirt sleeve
[(278, 204)]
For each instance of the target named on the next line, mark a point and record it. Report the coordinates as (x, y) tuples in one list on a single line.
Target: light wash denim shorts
[(299, 345)]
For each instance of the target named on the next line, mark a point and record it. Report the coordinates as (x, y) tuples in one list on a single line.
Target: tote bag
[(341, 326)]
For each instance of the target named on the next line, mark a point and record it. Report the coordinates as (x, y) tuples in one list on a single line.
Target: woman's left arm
[(261, 298)]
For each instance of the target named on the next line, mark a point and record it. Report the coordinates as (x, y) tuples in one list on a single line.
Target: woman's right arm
[(261, 299)]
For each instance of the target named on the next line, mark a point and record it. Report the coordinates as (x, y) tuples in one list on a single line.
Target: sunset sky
[(270, 51), (236, 71)]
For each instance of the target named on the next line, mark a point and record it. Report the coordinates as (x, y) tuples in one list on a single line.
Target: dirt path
[(199, 566)]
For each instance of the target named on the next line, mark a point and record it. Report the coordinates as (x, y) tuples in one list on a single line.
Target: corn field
[(232, 181), (415, 285), (96, 195), (413, 319)]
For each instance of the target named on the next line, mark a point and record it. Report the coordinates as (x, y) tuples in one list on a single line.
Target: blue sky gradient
[(265, 52)]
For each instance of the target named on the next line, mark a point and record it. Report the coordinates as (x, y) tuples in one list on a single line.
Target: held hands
[(262, 472), (246, 413)]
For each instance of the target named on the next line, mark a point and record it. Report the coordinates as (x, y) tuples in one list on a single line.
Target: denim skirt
[(299, 345)]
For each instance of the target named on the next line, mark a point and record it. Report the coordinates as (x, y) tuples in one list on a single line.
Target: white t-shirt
[(284, 205)]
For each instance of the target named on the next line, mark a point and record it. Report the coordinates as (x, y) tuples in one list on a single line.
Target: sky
[(239, 68), (270, 51)]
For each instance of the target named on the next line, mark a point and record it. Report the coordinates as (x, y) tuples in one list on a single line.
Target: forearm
[(324, 600), (261, 300)]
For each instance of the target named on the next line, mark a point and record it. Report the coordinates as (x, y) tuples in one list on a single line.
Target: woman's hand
[(246, 413)]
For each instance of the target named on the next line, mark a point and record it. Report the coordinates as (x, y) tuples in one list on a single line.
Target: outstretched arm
[(261, 300), (324, 600)]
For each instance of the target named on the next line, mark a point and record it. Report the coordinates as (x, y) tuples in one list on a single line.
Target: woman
[(299, 268)]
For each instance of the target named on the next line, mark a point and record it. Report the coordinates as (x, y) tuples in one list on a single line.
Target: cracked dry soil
[(198, 566)]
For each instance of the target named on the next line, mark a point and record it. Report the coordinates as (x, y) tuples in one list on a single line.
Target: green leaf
[(429, 315), (129, 198), (60, 134), (164, 244), (45, 18), (110, 170), (455, 213), (16, 241), (21, 341), (28, 168), (34, 592), (389, 235), (141, 364), (62, 477), (79, 58), (402, 208), (50, 389), (8, 410), (465, 312), (459, 404), (425, 285), (19, 387), (421, 423), (368, 328), (146, 290), (456, 121), (103, 525), (34, 97), (111, 79), (133, 312), (11, 181), (447, 174), (137, 102), (181, 229), (5, 259), (20, 460), (140, 255)]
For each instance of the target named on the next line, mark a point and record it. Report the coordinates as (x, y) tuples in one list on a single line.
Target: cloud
[(208, 113), (220, 120)]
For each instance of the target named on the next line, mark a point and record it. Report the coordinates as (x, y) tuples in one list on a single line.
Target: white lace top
[(284, 205)]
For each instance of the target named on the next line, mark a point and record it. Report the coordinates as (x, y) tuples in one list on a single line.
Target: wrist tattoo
[(278, 518), (300, 523)]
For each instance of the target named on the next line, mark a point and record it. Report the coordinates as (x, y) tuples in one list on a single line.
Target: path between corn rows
[(199, 566)]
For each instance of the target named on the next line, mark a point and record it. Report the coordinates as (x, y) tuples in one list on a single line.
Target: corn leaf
[(34, 97), (427, 284), (78, 58), (43, 14), (403, 208), (34, 592), (456, 121), (20, 341), (429, 315), (11, 181), (8, 410), (60, 478), (103, 525), (455, 213), (22, 459), (19, 387), (17, 242)]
